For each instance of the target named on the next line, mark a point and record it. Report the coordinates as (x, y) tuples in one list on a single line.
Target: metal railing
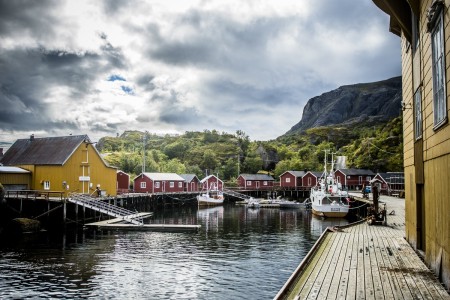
[(106, 208)]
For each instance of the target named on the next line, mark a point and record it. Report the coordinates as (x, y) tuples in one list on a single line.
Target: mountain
[(351, 105)]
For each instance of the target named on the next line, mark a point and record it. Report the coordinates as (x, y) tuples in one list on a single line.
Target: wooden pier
[(362, 261)]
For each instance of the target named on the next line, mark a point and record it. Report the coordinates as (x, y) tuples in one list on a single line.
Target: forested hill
[(358, 104)]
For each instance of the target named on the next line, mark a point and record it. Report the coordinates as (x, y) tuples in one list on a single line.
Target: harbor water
[(238, 253)]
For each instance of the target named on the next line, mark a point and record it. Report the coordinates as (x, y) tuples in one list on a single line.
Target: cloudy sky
[(103, 67)]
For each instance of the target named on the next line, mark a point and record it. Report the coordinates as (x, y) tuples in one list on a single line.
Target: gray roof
[(396, 176), (163, 176), (316, 173), (356, 172), (296, 173), (10, 170), (189, 177), (257, 177), (43, 151)]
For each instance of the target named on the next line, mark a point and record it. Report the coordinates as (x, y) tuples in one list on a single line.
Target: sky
[(102, 67)]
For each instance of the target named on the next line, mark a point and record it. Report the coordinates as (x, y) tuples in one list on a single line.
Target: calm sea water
[(238, 253)]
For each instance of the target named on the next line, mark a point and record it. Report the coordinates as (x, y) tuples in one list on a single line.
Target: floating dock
[(122, 223), (361, 261)]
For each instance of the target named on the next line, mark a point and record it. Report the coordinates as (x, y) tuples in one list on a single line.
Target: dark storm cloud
[(28, 76), (213, 40), (28, 16)]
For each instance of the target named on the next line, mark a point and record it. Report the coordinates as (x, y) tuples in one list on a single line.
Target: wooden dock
[(123, 223), (364, 261)]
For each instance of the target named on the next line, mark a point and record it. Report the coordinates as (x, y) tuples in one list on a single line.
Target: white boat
[(290, 204), (253, 203), (213, 195), (327, 198), (210, 198)]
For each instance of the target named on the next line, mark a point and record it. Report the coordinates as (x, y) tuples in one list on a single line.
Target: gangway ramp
[(121, 214), (236, 194)]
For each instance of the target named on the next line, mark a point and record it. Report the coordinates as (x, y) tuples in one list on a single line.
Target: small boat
[(213, 195), (290, 204), (210, 198), (253, 203), (327, 198)]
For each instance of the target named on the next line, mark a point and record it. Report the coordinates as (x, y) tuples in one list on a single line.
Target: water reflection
[(238, 253)]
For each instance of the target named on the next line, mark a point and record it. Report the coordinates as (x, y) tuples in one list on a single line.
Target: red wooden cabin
[(291, 179), (123, 182), (255, 181), (158, 183), (191, 182)]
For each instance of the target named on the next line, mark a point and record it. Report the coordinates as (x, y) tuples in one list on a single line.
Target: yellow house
[(424, 30), (68, 164)]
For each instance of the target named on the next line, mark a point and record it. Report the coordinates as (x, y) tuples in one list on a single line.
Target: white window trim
[(264, 182), (418, 121), (157, 185), (46, 185), (288, 179), (143, 184), (180, 184), (172, 184), (438, 63)]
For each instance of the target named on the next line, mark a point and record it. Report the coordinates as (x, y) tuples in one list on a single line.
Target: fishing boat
[(210, 198), (213, 195), (327, 198)]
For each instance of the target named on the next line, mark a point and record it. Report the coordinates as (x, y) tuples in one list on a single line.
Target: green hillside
[(379, 148)]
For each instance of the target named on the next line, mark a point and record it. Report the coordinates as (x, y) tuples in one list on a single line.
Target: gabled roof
[(388, 177), (120, 171), (356, 172), (43, 151), (317, 174), (11, 170), (257, 177), (295, 173), (162, 176), (189, 177), (208, 177)]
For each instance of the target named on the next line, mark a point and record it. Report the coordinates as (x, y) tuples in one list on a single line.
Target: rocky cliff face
[(365, 103)]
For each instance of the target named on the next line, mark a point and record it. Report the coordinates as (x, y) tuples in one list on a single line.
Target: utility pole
[(143, 152)]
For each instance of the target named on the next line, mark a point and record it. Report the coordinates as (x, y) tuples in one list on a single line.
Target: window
[(46, 185), (418, 115), (309, 181), (368, 178), (180, 184), (143, 185), (288, 179), (249, 182), (172, 184), (157, 185), (438, 61), (360, 179), (264, 182)]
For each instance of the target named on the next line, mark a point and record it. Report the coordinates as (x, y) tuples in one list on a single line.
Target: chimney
[(32, 137)]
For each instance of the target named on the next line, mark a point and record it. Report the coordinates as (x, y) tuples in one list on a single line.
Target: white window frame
[(288, 179), (418, 123), (46, 185), (438, 62), (171, 184), (249, 182), (264, 182), (143, 184), (180, 184), (157, 185)]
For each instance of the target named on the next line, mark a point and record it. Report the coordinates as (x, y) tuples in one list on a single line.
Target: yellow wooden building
[(68, 164), (424, 30)]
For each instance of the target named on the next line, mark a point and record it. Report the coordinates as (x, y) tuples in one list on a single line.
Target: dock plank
[(367, 262)]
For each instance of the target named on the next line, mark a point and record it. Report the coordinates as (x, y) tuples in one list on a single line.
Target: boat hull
[(208, 201), (336, 213)]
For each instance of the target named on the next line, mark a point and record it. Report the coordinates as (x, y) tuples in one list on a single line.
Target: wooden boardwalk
[(364, 262)]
